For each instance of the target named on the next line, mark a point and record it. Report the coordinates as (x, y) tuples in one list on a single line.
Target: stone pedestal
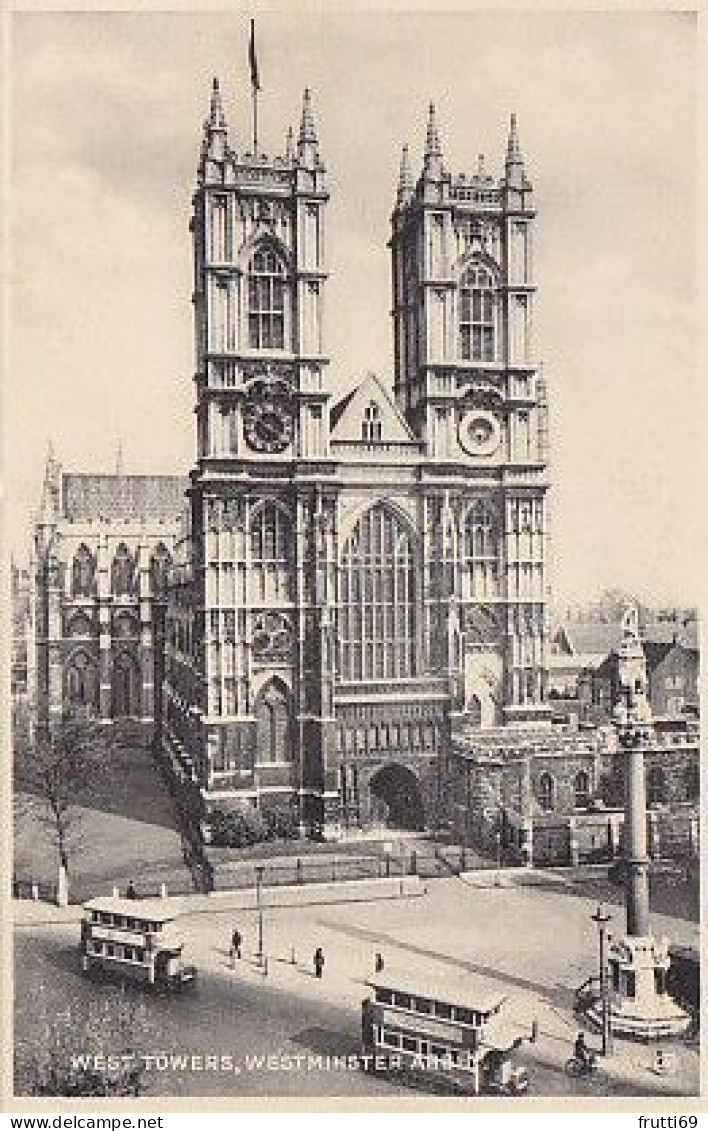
[(62, 887), (640, 1006)]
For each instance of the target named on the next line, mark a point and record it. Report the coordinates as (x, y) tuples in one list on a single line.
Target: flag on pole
[(253, 62)]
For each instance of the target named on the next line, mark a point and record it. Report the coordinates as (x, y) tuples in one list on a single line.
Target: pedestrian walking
[(318, 962), (235, 950), (378, 962), (130, 892)]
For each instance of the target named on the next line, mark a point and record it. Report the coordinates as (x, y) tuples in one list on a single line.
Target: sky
[(106, 112)]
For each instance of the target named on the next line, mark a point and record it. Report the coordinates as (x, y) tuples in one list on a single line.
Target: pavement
[(534, 944)]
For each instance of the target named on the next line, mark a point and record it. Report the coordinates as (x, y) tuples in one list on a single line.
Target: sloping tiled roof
[(107, 497), (599, 638)]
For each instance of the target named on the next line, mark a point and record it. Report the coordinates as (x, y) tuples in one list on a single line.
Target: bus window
[(466, 1016), (384, 996), (140, 954), (97, 947), (423, 1005), (404, 1000), (441, 1051), (409, 1044), (393, 1040), (442, 1010), (95, 916), (118, 921), (110, 950), (128, 952)]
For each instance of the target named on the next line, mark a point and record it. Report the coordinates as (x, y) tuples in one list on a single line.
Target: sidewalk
[(245, 899)]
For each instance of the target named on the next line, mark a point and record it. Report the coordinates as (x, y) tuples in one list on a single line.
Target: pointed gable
[(368, 415)]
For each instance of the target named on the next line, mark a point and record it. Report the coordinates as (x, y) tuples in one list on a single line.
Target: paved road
[(537, 945)]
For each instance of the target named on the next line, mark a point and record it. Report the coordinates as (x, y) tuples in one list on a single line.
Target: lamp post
[(259, 906), (602, 918)]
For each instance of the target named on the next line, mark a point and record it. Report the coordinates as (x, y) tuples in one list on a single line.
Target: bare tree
[(54, 770)]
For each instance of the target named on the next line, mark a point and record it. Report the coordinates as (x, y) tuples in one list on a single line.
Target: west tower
[(250, 639), (467, 381)]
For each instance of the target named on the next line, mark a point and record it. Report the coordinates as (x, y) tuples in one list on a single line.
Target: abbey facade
[(358, 578), (350, 584)]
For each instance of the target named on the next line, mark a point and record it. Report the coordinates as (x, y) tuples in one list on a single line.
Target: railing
[(312, 869)]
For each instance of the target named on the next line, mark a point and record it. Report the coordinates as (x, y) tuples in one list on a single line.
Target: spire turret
[(217, 121), (307, 146), (49, 506), (289, 146), (514, 165), (214, 144), (432, 159), (405, 181)]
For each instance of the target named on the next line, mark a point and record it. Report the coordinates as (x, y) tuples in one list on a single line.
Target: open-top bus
[(449, 1029), (134, 939)]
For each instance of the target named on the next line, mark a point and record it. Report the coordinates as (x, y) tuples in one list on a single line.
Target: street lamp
[(259, 906), (602, 918)]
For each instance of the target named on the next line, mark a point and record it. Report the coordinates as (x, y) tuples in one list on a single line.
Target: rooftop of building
[(106, 498)]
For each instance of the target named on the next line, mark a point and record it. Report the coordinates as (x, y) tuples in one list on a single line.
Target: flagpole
[(255, 82)]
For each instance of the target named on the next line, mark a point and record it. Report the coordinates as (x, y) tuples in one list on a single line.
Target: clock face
[(479, 433), (268, 416)]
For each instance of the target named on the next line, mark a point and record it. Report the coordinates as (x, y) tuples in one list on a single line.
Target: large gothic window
[(273, 732), (477, 315), (123, 572), (271, 542), (377, 599), (480, 552), (266, 301), (83, 573)]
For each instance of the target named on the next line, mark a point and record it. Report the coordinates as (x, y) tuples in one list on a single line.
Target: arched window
[(477, 311), (266, 300), (371, 424), (122, 572), (271, 542), (547, 792), (692, 781), (126, 692), (582, 790), (273, 731), (480, 552), (656, 786), (377, 624), (160, 563), (81, 685), (83, 573)]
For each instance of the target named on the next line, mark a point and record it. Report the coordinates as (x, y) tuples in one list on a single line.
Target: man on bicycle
[(584, 1056)]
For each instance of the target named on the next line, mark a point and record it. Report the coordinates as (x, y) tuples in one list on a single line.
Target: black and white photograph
[(351, 526)]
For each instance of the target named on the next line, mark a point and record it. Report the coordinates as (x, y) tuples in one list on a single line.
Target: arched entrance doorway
[(396, 798)]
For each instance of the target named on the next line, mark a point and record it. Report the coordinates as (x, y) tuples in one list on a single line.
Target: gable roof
[(347, 416)]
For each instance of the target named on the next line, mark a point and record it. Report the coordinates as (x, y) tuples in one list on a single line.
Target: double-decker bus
[(134, 939), (453, 1030)]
